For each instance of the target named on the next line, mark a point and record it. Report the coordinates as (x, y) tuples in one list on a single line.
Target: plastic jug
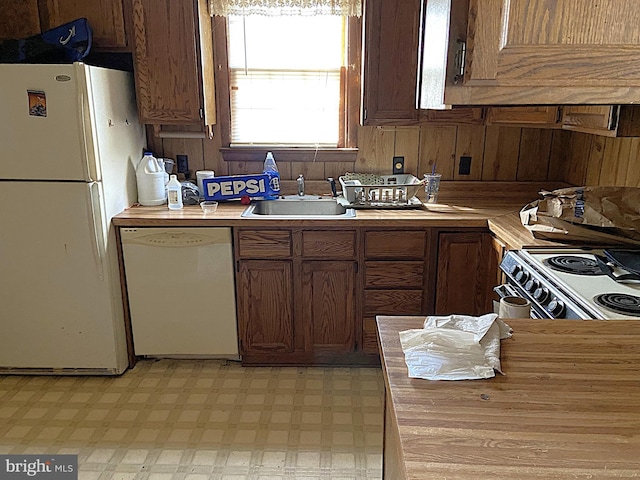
[(150, 178)]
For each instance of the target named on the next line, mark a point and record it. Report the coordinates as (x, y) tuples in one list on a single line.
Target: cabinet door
[(543, 52), (106, 18), (390, 60), (173, 61), (602, 119), (539, 116), (328, 305), (19, 19), (466, 274), (265, 306)]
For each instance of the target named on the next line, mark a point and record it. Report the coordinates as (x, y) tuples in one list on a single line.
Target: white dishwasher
[(181, 291)]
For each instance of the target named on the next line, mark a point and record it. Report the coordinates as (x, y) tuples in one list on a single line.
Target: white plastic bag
[(457, 347)]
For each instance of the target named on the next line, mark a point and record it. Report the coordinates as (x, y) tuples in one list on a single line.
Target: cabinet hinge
[(364, 114), (461, 53), (202, 113)]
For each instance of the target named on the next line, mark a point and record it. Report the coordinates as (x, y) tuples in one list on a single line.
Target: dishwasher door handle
[(176, 238)]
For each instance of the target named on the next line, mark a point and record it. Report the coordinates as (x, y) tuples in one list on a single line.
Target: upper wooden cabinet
[(19, 19), (390, 60), (538, 116), (542, 52), (391, 68), (24, 18), (605, 120), (173, 58), (106, 18)]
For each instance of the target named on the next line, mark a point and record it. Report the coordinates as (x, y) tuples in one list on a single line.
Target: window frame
[(352, 95)]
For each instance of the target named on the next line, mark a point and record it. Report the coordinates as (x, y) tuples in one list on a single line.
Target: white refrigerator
[(69, 144)]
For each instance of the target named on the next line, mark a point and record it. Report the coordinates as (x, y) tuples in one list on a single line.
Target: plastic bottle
[(161, 163), (270, 164), (271, 169), (150, 181), (174, 193)]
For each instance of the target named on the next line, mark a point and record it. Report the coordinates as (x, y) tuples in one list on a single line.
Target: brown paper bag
[(586, 215)]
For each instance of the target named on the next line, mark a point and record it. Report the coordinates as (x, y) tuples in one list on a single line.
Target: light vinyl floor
[(201, 419)]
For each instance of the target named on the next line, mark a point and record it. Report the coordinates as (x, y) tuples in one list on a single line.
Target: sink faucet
[(332, 184), (301, 185)]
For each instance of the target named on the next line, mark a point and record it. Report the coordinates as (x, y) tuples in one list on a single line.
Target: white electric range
[(572, 283)]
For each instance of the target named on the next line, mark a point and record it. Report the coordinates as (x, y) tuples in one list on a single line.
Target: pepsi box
[(231, 187)]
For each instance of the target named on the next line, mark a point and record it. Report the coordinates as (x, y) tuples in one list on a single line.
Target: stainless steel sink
[(293, 207)]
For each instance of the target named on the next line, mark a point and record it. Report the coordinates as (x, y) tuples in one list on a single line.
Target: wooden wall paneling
[(407, 145), (615, 161), (633, 172), (212, 157), (469, 142), (310, 170), (375, 150), (559, 155), (578, 159), (336, 169), (153, 143), (172, 147), (437, 145), (535, 149), (501, 151), (243, 168), (594, 164)]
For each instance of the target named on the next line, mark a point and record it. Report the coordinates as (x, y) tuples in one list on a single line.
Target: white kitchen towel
[(455, 347)]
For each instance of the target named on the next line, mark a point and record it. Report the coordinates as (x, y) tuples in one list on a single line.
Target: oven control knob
[(515, 269), (556, 307), (522, 277), (541, 294), (532, 285)]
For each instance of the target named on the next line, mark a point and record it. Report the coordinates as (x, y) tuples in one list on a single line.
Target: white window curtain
[(349, 8)]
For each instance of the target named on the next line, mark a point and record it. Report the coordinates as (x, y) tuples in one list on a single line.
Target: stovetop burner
[(619, 303), (574, 264)]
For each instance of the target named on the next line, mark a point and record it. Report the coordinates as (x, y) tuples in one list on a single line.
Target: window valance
[(350, 8)]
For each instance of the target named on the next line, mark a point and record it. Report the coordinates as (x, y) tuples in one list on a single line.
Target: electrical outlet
[(183, 163), (465, 166), (398, 165)]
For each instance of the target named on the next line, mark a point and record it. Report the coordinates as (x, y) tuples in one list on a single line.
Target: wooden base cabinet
[(395, 278), (467, 272), (328, 307), (266, 307), (296, 296)]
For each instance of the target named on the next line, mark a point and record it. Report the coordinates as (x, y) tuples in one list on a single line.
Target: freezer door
[(59, 286), (42, 113)]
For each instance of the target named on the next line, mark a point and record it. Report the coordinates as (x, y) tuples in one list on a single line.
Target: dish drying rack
[(380, 191)]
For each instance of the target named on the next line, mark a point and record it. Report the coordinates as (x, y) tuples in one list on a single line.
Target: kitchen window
[(288, 83)]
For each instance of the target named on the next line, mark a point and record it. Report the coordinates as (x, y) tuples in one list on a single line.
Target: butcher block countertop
[(461, 204), (568, 407)]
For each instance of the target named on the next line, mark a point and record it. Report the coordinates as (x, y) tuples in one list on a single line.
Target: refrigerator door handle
[(95, 220)]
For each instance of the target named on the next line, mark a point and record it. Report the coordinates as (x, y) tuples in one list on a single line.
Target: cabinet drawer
[(264, 244), (394, 274), (395, 244), (393, 302), (329, 244)]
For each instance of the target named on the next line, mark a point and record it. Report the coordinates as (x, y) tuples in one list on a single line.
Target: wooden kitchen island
[(568, 407)]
